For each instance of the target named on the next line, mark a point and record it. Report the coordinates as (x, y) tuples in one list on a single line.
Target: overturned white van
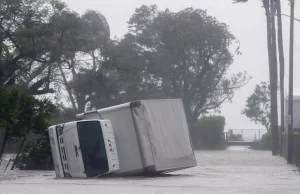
[(136, 138)]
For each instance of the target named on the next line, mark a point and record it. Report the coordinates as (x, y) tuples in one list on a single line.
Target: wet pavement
[(234, 171)]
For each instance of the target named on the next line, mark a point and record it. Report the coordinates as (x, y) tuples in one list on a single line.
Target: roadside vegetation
[(208, 133)]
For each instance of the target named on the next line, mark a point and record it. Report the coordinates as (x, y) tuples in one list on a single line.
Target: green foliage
[(258, 105), (165, 55), (21, 113), (265, 143), (207, 133), (92, 77), (235, 137), (36, 155), (95, 86), (184, 55), (38, 37), (267, 138)]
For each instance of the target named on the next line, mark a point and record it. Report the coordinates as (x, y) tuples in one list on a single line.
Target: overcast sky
[(246, 22)]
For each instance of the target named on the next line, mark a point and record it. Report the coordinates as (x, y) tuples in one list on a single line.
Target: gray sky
[(247, 23)]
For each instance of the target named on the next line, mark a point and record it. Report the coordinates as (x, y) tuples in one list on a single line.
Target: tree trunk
[(18, 153), (94, 60), (3, 144), (68, 88), (81, 102), (281, 62), (273, 74)]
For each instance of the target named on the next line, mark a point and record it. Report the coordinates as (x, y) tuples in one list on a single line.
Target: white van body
[(140, 137)]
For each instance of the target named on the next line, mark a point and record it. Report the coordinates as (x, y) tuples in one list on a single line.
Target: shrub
[(235, 137), (207, 133), (22, 114), (265, 143), (36, 155)]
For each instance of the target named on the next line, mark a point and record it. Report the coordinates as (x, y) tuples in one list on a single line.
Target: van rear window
[(92, 147)]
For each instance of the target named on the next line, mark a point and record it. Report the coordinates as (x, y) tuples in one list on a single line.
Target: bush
[(20, 115), (36, 155), (265, 143), (235, 137), (207, 133)]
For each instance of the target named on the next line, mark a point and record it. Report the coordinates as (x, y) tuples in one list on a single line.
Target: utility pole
[(291, 87)]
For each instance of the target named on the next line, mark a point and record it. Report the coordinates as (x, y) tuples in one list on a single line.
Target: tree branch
[(42, 92), (14, 60), (12, 39)]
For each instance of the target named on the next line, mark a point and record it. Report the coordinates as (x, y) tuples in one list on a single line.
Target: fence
[(296, 146)]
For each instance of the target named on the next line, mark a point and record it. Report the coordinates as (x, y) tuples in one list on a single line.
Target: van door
[(92, 148)]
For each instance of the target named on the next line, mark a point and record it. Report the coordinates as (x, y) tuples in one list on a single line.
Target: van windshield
[(92, 148)]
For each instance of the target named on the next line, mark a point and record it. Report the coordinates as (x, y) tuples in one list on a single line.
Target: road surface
[(234, 171)]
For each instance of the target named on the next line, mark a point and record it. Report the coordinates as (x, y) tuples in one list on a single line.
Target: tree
[(258, 105), (36, 155), (26, 41), (129, 69), (270, 9), (91, 58), (38, 38), (185, 55), (98, 87), (21, 114)]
